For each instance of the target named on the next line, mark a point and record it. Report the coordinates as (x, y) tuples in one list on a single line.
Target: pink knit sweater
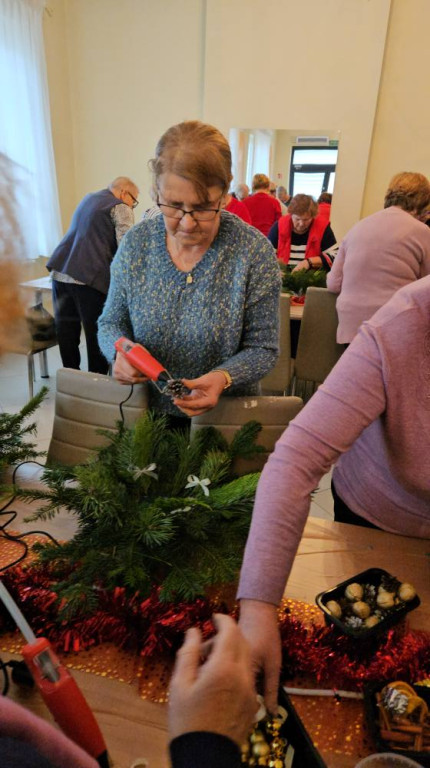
[(373, 410), (379, 255)]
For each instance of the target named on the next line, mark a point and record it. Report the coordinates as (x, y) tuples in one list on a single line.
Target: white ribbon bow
[(194, 481), (148, 471)]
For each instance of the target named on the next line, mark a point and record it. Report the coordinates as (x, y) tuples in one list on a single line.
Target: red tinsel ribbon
[(155, 629)]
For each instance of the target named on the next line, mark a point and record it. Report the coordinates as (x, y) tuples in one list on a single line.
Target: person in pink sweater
[(381, 253), (371, 417)]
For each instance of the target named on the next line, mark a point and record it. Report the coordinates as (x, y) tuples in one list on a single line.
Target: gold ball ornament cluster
[(364, 606), (265, 745)]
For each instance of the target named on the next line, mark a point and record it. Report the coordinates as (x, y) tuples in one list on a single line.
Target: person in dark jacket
[(80, 267)]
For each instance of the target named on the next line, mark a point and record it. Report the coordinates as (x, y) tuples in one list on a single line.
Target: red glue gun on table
[(58, 688), (143, 361)]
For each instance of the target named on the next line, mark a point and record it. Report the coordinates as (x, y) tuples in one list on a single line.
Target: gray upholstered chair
[(278, 379), (84, 403), (273, 413), (317, 349)]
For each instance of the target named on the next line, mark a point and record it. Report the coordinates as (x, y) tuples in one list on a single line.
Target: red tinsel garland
[(153, 628)]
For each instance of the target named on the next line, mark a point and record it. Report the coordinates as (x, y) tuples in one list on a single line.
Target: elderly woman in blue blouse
[(198, 287)]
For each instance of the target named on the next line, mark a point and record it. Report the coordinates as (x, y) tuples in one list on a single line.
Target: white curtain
[(25, 128)]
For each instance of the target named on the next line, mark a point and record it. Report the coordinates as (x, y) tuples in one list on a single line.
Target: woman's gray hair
[(196, 151)]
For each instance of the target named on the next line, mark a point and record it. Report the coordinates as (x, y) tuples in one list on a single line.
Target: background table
[(40, 286)]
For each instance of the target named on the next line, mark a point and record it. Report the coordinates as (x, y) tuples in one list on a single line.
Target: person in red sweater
[(324, 205), (238, 208), (263, 208)]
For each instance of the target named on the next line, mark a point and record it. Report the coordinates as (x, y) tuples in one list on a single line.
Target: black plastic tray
[(370, 576), (371, 710), (305, 753)]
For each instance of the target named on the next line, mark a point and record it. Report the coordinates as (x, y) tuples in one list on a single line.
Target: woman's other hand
[(259, 624), (301, 265), (217, 695), (125, 372), (205, 393)]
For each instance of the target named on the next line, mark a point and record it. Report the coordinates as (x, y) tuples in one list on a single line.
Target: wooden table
[(331, 552), (328, 553)]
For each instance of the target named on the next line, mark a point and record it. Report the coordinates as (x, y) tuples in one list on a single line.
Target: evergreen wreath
[(154, 508), (298, 282)]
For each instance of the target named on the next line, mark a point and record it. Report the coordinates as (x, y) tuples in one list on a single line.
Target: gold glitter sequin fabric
[(336, 728)]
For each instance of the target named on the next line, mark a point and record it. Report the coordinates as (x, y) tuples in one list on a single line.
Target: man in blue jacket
[(80, 267)]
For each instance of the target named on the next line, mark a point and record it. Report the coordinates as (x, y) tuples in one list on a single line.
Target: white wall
[(283, 64), (134, 69), (130, 69), (401, 139)]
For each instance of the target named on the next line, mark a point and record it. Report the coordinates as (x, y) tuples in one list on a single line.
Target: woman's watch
[(228, 379)]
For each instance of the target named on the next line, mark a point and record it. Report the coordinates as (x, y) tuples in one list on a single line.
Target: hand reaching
[(217, 695), (259, 624)]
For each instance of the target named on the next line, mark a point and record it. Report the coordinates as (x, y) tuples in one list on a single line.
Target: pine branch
[(243, 488), (243, 443)]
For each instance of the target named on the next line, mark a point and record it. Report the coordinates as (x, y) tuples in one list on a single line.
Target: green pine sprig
[(15, 429)]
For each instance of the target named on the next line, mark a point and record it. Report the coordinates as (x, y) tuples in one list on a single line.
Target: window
[(252, 151), (312, 170), (25, 130)]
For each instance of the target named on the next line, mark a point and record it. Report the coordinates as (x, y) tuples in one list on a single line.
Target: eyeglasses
[(200, 214), (135, 202)]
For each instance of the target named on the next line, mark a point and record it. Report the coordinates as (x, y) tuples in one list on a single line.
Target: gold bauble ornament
[(260, 749), (385, 599), (334, 608), (256, 736), (371, 621), (354, 591), (362, 610), (406, 592)]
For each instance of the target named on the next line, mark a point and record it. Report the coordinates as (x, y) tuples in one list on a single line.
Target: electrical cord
[(124, 402), (19, 538), (20, 675)]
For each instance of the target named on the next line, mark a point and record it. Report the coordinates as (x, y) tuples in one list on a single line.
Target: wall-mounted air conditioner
[(313, 140)]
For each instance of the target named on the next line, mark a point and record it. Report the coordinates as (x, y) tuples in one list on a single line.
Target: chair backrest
[(273, 413), (84, 403), (278, 379), (317, 349)]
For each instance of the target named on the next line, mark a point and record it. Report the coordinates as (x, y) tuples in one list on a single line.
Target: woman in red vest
[(302, 237)]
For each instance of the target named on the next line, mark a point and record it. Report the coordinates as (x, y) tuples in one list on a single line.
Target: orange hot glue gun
[(140, 358), (58, 688)]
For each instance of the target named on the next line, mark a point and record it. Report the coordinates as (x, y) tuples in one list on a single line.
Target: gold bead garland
[(265, 745)]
